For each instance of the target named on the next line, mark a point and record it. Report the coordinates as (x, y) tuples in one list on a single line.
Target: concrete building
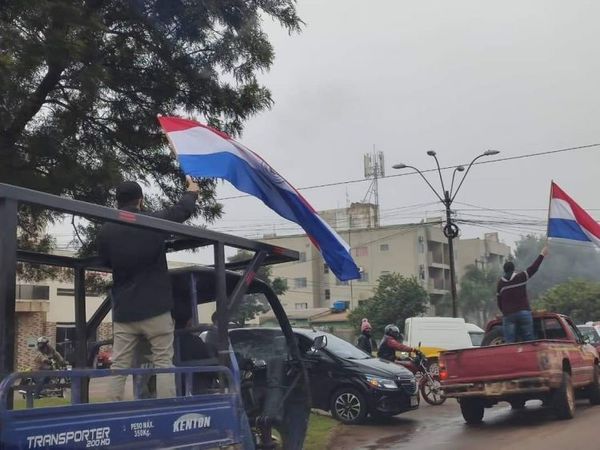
[(487, 253), (419, 250)]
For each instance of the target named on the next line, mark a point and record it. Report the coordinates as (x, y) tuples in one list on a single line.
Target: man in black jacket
[(142, 297)]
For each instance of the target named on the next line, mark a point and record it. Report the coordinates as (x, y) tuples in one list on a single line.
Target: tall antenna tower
[(374, 169)]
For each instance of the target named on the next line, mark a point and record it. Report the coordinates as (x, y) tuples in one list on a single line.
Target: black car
[(344, 379)]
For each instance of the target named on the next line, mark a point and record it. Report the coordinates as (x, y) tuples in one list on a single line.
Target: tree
[(565, 261), (477, 295), (578, 299), (395, 299), (81, 84), (255, 304)]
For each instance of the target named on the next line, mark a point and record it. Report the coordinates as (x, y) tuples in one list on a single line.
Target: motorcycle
[(427, 378), (53, 386)]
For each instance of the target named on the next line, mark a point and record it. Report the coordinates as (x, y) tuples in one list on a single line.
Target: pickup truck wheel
[(348, 406), (472, 410), (494, 337), (594, 389), (563, 400)]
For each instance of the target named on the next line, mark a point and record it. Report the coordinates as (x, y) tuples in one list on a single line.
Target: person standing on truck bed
[(142, 297), (517, 321)]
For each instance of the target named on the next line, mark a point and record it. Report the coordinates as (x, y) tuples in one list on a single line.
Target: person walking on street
[(364, 341), (392, 343), (142, 297), (517, 321)]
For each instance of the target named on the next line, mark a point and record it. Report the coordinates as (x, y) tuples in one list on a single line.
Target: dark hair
[(509, 267), (213, 318), (129, 193)]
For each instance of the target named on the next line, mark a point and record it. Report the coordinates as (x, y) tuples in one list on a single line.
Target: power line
[(488, 161)]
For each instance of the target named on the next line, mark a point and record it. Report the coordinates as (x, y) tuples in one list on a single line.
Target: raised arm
[(531, 270), (181, 211)]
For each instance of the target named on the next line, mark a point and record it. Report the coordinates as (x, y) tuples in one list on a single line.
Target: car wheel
[(563, 400), (348, 406), (594, 389), (472, 410), (494, 337)]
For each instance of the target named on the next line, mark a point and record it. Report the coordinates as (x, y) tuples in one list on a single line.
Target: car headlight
[(381, 383)]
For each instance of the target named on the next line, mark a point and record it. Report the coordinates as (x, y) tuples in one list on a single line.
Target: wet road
[(443, 428)]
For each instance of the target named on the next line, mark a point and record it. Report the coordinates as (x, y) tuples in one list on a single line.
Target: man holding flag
[(512, 299)]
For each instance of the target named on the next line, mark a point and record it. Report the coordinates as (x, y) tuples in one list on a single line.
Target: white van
[(436, 334)]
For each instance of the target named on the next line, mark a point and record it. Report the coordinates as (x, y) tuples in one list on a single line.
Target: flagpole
[(549, 206)]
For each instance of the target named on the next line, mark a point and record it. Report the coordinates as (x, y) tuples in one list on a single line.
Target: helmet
[(392, 330), (43, 340)]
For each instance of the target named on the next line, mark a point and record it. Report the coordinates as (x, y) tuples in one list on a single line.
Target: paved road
[(443, 428)]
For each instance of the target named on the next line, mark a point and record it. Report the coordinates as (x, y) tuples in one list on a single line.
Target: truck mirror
[(586, 339), (319, 343)]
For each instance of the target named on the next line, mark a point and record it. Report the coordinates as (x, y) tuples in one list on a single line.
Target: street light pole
[(450, 229)]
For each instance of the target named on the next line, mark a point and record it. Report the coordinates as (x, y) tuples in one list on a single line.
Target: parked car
[(591, 334), (475, 333), (343, 379), (555, 368)]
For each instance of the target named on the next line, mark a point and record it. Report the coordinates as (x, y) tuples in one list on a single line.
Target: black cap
[(128, 191)]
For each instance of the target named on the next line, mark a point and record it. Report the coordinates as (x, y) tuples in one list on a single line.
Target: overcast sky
[(457, 77)]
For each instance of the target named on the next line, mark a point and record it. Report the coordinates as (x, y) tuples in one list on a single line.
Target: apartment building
[(418, 249)]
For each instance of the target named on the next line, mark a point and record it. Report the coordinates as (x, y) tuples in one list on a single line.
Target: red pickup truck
[(556, 368)]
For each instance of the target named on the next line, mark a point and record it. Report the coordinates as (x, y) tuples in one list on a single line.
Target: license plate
[(414, 401)]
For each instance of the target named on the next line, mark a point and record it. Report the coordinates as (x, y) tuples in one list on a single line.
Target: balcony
[(435, 285)]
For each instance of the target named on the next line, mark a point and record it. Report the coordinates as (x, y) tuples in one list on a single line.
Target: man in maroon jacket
[(512, 298)]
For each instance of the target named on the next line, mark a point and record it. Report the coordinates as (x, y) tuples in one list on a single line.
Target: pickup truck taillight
[(443, 372)]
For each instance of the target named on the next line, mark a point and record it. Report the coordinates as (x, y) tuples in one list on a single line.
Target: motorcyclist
[(46, 359), (391, 343)]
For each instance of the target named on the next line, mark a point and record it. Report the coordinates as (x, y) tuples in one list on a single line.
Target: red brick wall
[(30, 325)]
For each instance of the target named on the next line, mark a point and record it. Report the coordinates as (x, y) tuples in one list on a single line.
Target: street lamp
[(451, 230)]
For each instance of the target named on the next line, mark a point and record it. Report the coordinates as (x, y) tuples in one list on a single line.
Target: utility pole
[(451, 230)]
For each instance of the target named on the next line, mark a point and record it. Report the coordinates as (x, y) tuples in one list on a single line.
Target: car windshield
[(591, 333), (343, 349), (476, 338)]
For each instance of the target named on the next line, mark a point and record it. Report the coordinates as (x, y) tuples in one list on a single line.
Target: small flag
[(203, 151), (567, 220)]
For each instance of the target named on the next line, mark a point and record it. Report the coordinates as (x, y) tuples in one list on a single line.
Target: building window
[(327, 294), (302, 257), (32, 292), (325, 268), (361, 251), (339, 282), (364, 277), (300, 282), (68, 292), (384, 247), (301, 306)]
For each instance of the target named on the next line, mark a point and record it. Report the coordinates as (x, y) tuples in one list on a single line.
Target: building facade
[(415, 250)]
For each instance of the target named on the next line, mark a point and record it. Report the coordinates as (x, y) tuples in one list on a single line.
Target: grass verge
[(319, 431)]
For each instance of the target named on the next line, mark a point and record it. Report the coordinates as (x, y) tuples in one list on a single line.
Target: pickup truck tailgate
[(492, 363)]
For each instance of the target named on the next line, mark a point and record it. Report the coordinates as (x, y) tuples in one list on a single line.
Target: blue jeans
[(518, 327)]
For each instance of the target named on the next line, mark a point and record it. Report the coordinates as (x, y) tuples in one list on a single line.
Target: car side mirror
[(319, 343), (586, 339)]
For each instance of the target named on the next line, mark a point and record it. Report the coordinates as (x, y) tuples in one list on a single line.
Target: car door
[(582, 357), (321, 368)]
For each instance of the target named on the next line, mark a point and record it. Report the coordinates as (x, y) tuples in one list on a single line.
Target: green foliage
[(81, 84), (255, 304), (477, 295), (565, 261), (395, 299), (578, 299)]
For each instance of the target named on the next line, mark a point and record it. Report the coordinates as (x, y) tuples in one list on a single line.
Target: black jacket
[(364, 343), (137, 256)]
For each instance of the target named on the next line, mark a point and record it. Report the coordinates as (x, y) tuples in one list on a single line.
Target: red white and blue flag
[(569, 221), (203, 151)]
